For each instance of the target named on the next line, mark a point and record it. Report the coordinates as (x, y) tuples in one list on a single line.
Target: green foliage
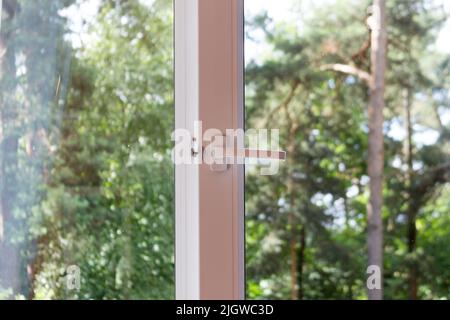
[(101, 197), (86, 177), (322, 187)]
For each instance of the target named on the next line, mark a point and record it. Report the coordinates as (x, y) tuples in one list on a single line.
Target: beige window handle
[(264, 154), (227, 157)]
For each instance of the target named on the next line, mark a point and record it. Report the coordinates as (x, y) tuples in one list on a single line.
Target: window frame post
[(209, 206)]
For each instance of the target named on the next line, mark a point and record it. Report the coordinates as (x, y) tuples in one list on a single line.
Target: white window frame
[(209, 206)]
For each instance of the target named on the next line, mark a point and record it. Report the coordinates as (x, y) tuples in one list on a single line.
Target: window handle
[(227, 158), (221, 161), (264, 154)]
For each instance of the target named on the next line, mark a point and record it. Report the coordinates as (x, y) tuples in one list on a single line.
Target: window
[(307, 69), (126, 173), (86, 181)]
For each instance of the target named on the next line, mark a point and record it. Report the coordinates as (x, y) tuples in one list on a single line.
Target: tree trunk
[(9, 252), (2, 56), (292, 219), (301, 262), (411, 212), (292, 222), (294, 262), (10, 277), (376, 141)]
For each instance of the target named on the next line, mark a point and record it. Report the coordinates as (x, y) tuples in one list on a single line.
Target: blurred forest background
[(86, 113)]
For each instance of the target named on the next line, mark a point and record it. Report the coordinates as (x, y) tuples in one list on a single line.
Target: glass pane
[(86, 206), (307, 66)]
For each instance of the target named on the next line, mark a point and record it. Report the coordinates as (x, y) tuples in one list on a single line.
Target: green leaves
[(322, 187), (101, 196)]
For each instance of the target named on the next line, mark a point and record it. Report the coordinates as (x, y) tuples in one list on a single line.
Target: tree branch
[(347, 69), (284, 104)]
